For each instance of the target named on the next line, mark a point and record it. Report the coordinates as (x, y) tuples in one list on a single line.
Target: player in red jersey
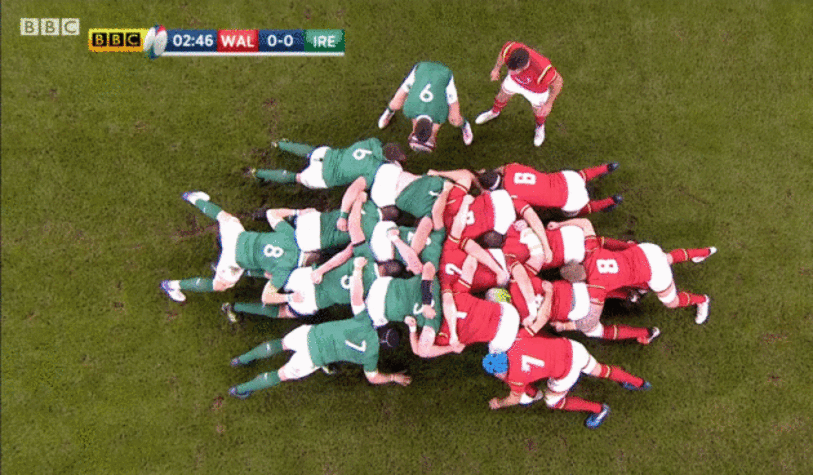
[(640, 266), (561, 361), (478, 321), (565, 190), (529, 74), (566, 306)]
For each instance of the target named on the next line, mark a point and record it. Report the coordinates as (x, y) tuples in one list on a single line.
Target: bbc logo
[(49, 26)]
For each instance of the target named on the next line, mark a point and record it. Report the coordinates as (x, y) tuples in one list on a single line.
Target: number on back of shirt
[(524, 179), (426, 95), (271, 250), (361, 153), (528, 361), (607, 266)]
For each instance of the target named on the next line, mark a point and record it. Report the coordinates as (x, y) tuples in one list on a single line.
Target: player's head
[(518, 60), (421, 138), (573, 272), (390, 213), (490, 180), (495, 363), (492, 240), (393, 153), (388, 337), (391, 268)]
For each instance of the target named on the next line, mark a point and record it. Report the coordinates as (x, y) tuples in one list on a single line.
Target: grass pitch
[(706, 105)]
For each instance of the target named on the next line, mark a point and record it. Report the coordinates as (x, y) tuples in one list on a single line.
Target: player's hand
[(553, 225), (393, 234), (316, 277), (528, 323), (402, 379), (428, 311), (297, 297), (341, 224), (559, 326), (415, 267), (362, 197), (547, 286), (411, 323), (494, 403), (495, 74), (359, 262), (547, 255), (503, 278), (468, 199), (458, 347), (432, 172)]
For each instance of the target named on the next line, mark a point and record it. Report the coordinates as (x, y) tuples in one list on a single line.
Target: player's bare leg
[(499, 103)]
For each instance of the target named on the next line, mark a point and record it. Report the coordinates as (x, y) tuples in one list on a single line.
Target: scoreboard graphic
[(190, 43)]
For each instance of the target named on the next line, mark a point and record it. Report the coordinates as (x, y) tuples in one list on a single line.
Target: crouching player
[(428, 97), (314, 346), (561, 361)]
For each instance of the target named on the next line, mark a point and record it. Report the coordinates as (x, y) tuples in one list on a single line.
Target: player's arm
[(383, 378), (535, 223), (526, 288), (495, 71), (425, 347), (511, 400), (427, 278), (553, 91), (422, 233), (460, 176), (354, 221), (410, 256), (583, 223), (450, 315), (338, 259), (543, 314), (272, 296), (357, 285), (275, 216), (350, 196), (483, 257), (439, 206)]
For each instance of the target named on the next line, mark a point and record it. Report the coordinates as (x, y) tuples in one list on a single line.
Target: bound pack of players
[(458, 258)]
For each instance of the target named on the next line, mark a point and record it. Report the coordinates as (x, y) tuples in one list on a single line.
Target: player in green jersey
[(428, 96), (353, 340), (314, 230), (414, 301), (329, 167), (275, 254)]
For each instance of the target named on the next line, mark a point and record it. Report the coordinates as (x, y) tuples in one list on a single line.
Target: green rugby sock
[(300, 149), (256, 308), (277, 176), (197, 284), (208, 208), (263, 381), (266, 350)]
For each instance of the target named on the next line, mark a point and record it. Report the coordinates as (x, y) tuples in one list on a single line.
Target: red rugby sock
[(590, 173), (573, 403), (685, 299)]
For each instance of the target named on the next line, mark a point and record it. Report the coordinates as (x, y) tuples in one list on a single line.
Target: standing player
[(353, 340), (529, 74), (328, 167), (561, 361), (565, 190), (428, 97), (274, 253)]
